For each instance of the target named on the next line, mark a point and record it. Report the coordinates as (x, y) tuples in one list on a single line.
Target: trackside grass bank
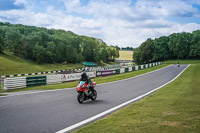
[(181, 62), (97, 80), (10, 64), (174, 108)]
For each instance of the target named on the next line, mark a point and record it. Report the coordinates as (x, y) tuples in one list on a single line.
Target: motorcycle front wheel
[(81, 97), (94, 95)]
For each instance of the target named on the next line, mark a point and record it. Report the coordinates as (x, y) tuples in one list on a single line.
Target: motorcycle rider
[(178, 64), (85, 78)]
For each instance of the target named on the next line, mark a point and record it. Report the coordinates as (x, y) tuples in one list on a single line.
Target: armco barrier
[(106, 73), (122, 70), (36, 81), (141, 66), (130, 69), (75, 76), (146, 65), (53, 79), (117, 71), (136, 68), (98, 68), (22, 82), (126, 70), (14, 83)]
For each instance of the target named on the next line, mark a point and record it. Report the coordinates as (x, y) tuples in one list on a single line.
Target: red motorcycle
[(84, 93)]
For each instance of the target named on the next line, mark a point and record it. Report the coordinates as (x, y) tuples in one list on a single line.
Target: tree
[(195, 36), (39, 54), (195, 51), (2, 38), (48, 46), (147, 49), (179, 44), (51, 52), (112, 53), (1, 43), (161, 49), (195, 45), (102, 55), (137, 56)]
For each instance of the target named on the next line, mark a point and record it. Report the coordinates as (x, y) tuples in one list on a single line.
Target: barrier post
[(0, 83)]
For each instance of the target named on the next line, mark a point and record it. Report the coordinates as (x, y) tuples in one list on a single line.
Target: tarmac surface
[(52, 111)]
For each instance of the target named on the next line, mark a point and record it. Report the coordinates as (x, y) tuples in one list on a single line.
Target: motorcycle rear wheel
[(81, 97)]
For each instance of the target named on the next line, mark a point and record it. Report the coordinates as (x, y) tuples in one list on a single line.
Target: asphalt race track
[(52, 111)]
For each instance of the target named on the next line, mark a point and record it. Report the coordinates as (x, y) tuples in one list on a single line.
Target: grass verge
[(174, 108), (10, 65), (97, 80), (182, 62)]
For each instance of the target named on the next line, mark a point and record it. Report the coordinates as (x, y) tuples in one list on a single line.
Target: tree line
[(175, 46), (53, 46)]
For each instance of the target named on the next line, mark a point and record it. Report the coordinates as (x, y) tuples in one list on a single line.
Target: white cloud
[(20, 2), (73, 5), (178, 8), (116, 22), (163, 8)]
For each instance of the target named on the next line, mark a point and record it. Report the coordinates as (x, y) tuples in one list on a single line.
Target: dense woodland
[(56, 46), (53, 46), (175, 46)]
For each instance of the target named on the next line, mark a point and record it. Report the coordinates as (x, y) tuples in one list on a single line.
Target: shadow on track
[(89, 102)]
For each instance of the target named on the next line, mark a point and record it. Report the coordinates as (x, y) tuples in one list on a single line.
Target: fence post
[(0, 83)]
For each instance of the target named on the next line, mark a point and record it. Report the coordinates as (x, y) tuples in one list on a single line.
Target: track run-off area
[(59, 111)]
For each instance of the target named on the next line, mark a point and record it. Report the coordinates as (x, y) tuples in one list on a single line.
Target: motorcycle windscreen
[(82, 82)]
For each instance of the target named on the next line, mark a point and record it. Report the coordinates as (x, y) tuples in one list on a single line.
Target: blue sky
[(117, 22)]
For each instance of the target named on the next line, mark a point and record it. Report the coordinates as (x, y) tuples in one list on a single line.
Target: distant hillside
[(10, 64), (43, 45)]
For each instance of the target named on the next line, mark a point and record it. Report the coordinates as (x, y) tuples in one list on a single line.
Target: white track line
[(26, 93), (114, 108)]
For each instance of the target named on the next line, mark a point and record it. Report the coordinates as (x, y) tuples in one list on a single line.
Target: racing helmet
[(83, 75)]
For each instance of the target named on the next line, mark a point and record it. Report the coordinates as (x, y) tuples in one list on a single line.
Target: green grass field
[(10, 64), (182, 62), (126, 55), (174, 108)]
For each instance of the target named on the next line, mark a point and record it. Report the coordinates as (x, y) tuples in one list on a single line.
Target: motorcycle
[(84, 93), (178, 64)]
